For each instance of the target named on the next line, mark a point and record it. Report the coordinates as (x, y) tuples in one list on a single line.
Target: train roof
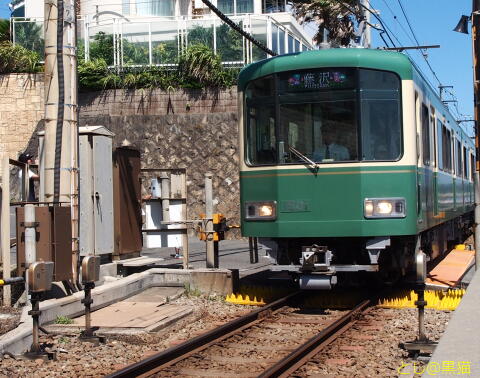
[(338, 57)]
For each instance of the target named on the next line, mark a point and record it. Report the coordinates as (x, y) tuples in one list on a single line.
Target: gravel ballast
[(378, 356)]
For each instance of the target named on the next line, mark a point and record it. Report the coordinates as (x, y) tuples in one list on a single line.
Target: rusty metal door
[(127, 203)]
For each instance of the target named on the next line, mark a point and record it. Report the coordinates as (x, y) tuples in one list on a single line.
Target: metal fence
[(159, 41)]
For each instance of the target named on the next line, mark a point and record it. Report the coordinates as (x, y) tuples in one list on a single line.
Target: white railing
[(158, 41)]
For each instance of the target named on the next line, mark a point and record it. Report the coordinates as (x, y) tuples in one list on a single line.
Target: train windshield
[(328, 115)]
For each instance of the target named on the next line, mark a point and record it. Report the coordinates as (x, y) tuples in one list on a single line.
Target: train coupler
[(315, 258)]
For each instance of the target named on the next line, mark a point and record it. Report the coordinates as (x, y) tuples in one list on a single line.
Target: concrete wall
[(193, 129)]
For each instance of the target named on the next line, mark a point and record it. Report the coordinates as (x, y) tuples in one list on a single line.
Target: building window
[(273, 6), (244, 6), (155, 8), (297, 45), (225, 6), (281, 41), (275, 38), (290, 44), (126, 7)]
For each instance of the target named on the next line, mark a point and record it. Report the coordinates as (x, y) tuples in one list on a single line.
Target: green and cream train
[(348, 157)]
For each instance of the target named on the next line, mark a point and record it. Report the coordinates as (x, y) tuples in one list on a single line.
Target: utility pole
[(367, 32), (61, 134), (476, 101)]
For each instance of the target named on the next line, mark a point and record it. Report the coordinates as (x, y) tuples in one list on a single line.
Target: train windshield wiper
[(310, 162)]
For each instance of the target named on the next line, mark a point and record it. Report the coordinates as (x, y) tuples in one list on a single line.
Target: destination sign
[(317, 79)]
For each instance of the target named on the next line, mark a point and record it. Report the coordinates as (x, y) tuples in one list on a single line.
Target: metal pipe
[(209, 220), (165, 184), (11, 281), (5, 227), (476, 104)]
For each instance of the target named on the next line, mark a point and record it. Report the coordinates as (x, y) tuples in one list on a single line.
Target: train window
[(446, 149), (425, 135), (322, 115), (465, 163), (380, 115), (440, 145), (324, 131), (433, 151), (458, 156), (260, 121), (260, 88), (261, 149), (472, 166)]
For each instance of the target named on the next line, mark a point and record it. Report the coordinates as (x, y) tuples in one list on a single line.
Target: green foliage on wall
[(15, 58), (198, 67)]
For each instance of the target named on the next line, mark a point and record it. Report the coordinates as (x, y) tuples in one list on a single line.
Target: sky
[(432, 22)]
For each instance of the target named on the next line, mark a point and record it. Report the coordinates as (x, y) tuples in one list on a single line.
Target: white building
[(156, 31)]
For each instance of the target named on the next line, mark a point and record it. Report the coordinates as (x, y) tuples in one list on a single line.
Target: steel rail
[(178, 352), (299, 356)]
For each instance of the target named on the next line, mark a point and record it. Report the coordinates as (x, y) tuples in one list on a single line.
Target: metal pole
[(35, 313), (30, 240), (88, 301), (250, 249), (476, 96), (5, 228), (209, 220), (30, 236)]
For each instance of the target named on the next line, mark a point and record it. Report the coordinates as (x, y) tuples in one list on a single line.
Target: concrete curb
[(220, 281)]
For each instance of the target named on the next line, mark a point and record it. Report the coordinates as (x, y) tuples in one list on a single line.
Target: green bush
[(200, 63), (198, 67), (15, 58)]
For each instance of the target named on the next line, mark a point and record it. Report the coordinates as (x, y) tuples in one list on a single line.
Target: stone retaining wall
[(21, 111)]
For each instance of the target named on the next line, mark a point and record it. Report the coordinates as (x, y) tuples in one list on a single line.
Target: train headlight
[(266, 210), (384, 208)]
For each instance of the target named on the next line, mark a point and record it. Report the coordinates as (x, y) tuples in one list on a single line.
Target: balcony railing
[(159, 41)]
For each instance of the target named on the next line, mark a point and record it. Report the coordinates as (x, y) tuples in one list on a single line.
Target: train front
[(328, 180)]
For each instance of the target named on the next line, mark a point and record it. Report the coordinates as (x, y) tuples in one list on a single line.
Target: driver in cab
[(330, 150)]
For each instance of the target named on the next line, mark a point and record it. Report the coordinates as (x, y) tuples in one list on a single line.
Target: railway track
[(272, 341)]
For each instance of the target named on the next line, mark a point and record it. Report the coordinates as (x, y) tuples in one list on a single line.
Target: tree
[(4, 30), (335, 16)]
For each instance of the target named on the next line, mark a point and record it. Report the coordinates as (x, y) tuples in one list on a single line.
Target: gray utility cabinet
[(96, 191)]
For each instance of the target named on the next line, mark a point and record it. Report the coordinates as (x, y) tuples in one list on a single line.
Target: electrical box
[(40, 276), (96, 191), (54, 239), (90, 269)]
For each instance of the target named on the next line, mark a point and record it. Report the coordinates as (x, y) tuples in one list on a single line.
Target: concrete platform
[(141, 313), (461, 341), (450, 271), (209, 281)]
